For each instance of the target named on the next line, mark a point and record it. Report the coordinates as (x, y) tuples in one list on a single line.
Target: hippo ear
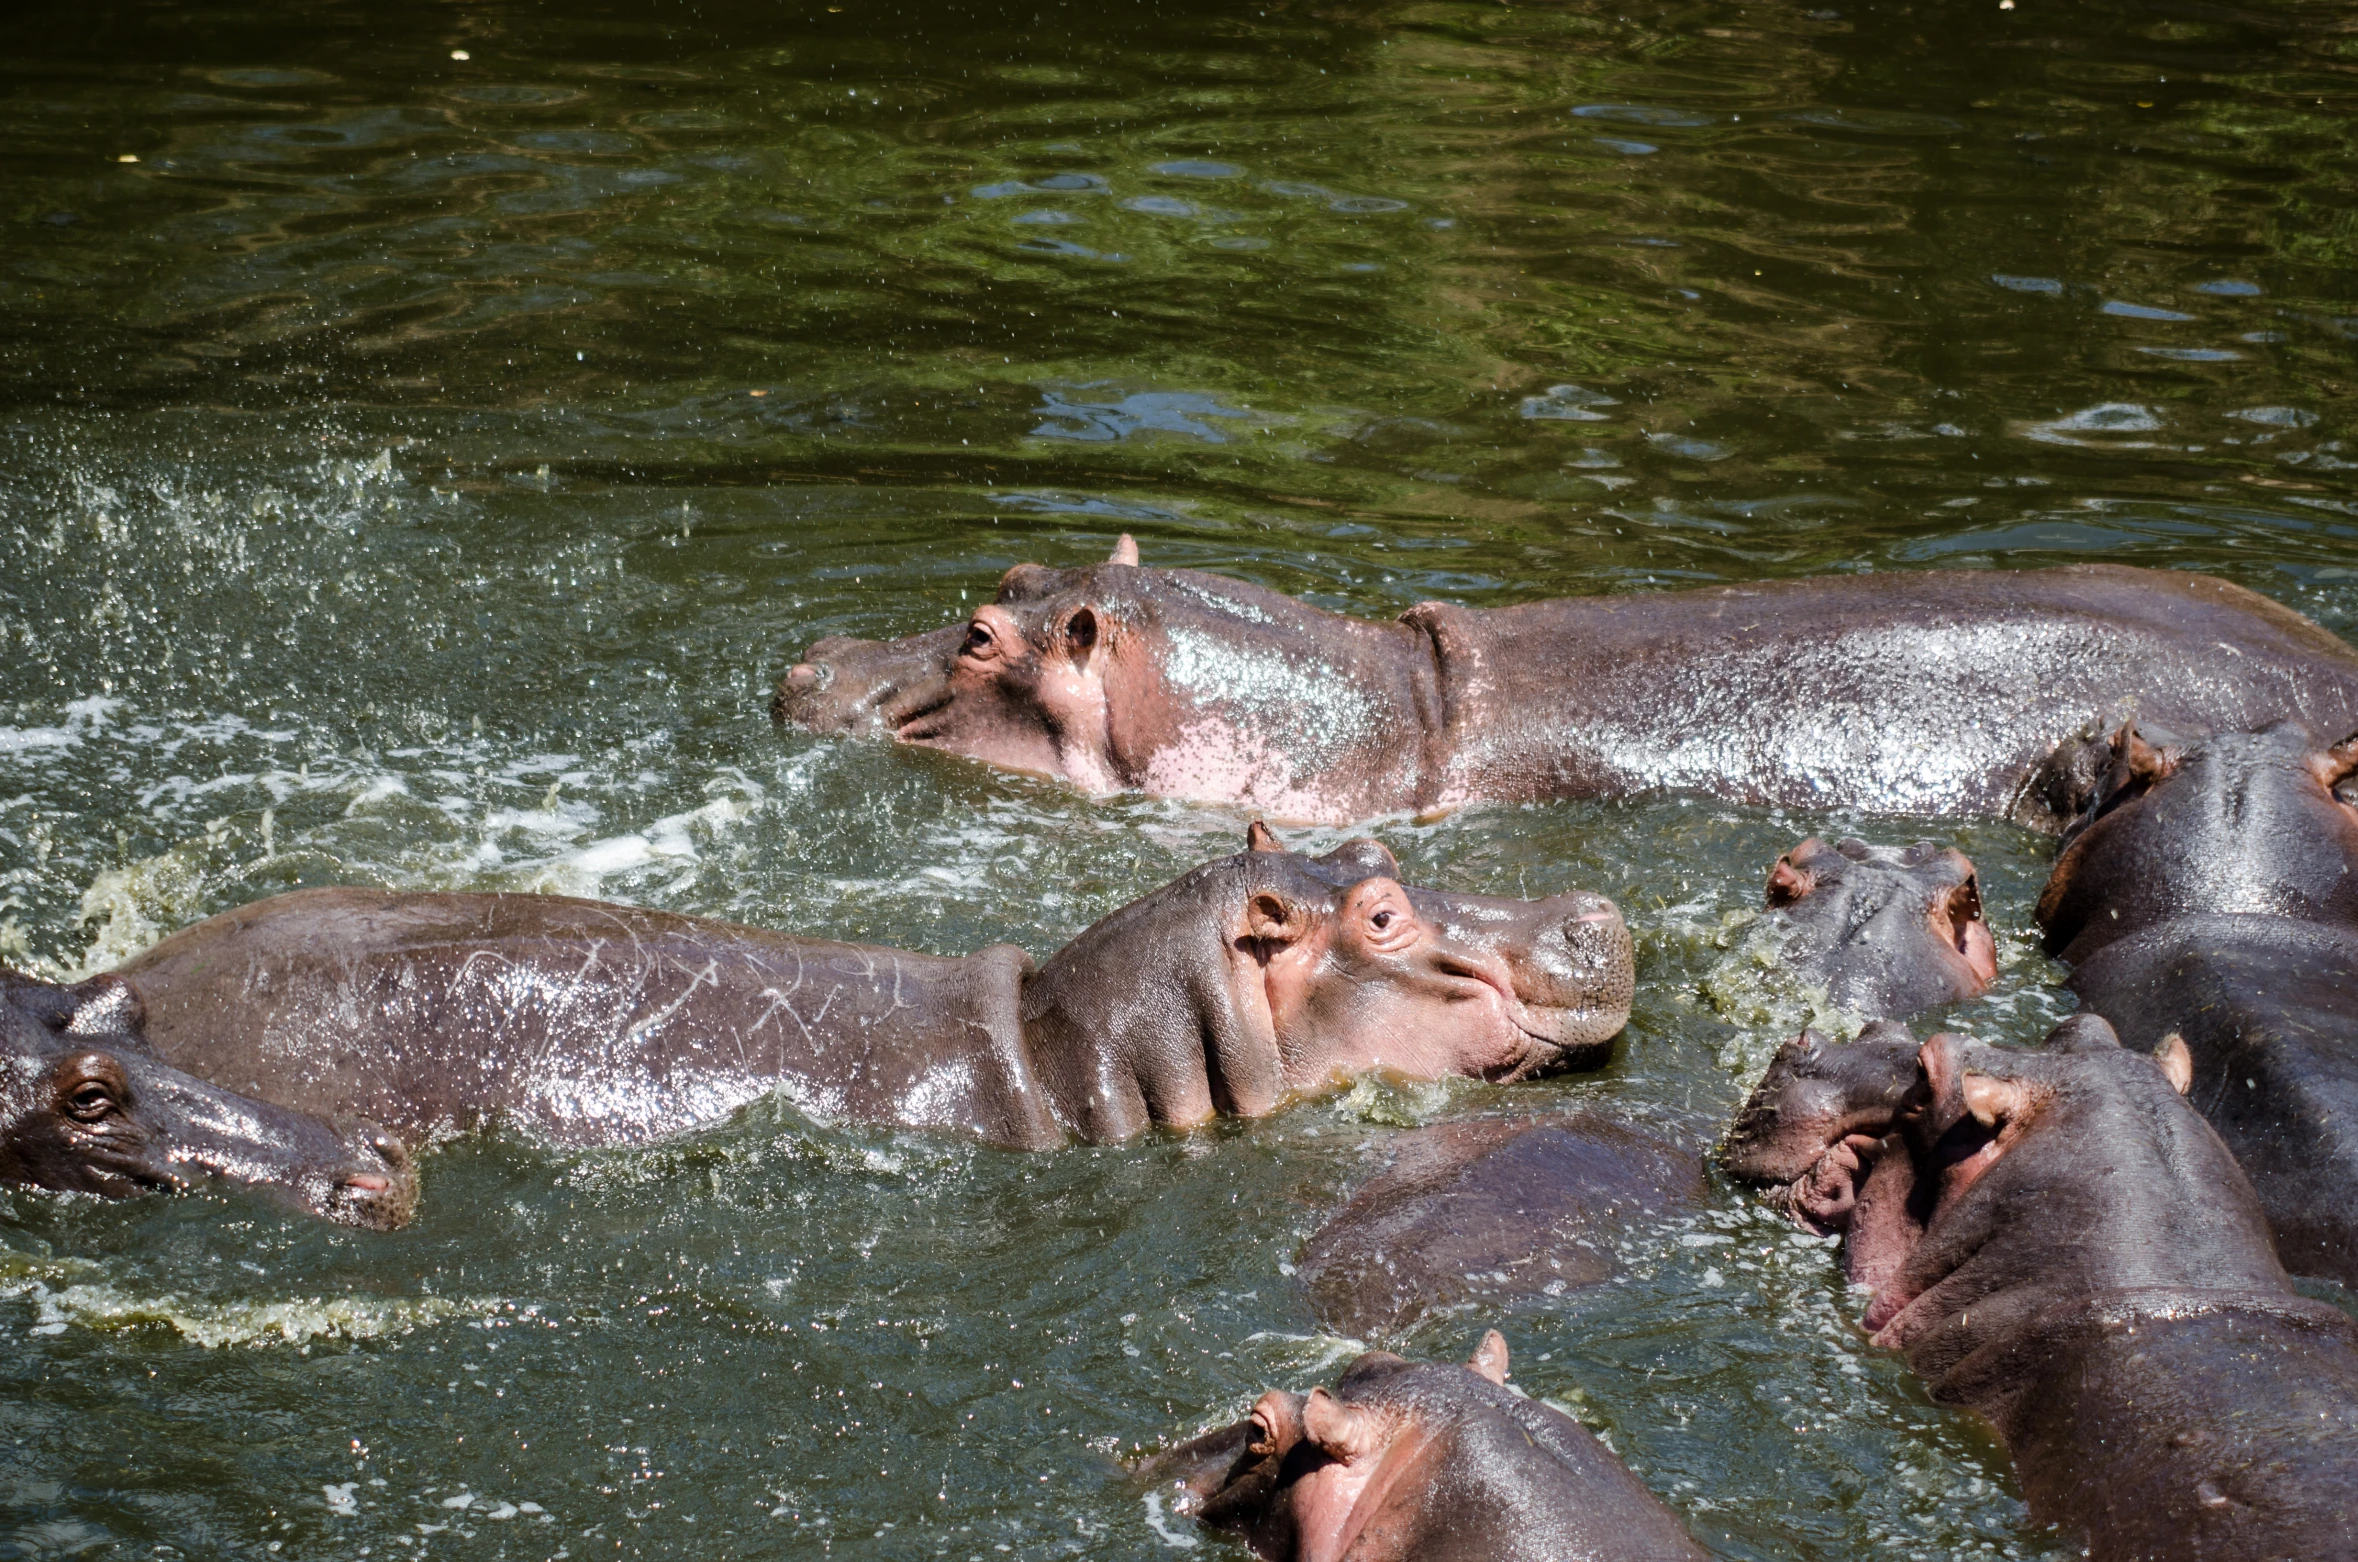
[(1271, 918), (1260, 838), (1125, 551), (2177, 1064), (2083, 1033), (2136, 766), (1347, 1432), (1994, 1101), (1490, 1357), (1788, 884)]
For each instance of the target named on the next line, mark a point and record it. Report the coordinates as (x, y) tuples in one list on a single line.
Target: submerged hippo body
[(1419, 1462), (1253, 978), (1961, 692), (1890, 931), (1481, 1211), (2212, 894), (2059, 1242), (85, 1109)]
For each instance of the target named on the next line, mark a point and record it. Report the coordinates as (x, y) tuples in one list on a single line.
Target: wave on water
[(70, 1293)]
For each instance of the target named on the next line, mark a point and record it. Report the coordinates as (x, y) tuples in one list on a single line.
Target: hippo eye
[(978, 639), (90, 1101), (1382, 920)]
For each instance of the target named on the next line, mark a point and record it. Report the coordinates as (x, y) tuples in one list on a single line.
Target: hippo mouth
[(1957, 919)]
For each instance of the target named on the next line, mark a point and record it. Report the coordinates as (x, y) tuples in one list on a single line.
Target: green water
[(414, 470)]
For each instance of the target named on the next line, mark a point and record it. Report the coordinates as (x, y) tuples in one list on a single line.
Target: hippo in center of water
[(1250, 980), (1926, 692)]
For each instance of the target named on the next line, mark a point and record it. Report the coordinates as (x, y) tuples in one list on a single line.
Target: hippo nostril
[(802, 675), (368, 1182)]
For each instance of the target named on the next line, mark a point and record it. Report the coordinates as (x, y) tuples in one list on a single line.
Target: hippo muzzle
[(868, 688), (1565, 968)]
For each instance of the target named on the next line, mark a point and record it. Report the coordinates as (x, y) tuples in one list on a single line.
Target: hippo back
[(580, 1022)]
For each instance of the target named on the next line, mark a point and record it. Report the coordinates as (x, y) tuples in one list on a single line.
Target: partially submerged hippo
[(1890, 931), (2059, 1242), (2212, 894), (1956, 692), (84, 1109), (1252, 979), (1413, 1462), (1484, 1210), (2262, 822)]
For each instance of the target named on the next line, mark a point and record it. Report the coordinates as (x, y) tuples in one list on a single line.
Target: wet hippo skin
[(2059, 1242), (1252, 979), (1890, 931), (2212, 894), (1419, 1462), (1959, 692), (85, 1109), (1486, 1210), (2268, 1008)]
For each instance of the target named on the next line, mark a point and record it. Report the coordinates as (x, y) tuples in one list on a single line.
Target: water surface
[(426, 431)]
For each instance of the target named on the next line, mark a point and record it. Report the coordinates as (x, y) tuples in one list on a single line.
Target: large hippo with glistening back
[(2211, 893), (1952, 692), (1418, 1462), (1252, 979), (2058, 1241), (85, 1109)]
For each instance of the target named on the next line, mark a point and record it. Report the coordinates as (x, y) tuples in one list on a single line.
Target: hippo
[(1484, 1209), (1250, 980), (2211, 893), (2262, 822), (1975, 692), (85, 1109), (1419, 1462), (1890, 931), (2057, 1241)]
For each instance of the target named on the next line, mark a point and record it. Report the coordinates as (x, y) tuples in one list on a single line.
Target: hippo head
[(2263, 822), (1404, 1460), (1819, 1108), (1957, 1171), (1116, 677), (1889, 930), (84, 1109), (1269, 973)]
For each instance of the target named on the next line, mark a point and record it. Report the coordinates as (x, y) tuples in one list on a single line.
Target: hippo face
[(2259, 822), (1361, 972), (1818, 1110), (84, 1110), (1404, 1460), (1114, 677), (1995, 1171), (1889, 930), (1270, 973)]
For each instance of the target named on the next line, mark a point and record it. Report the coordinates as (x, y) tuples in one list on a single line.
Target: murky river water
[(426, 430)]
